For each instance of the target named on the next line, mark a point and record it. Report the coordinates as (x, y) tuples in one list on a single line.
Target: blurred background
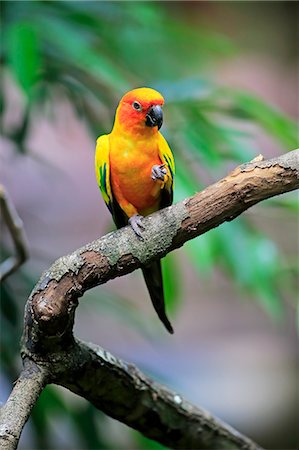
[(229, 74)]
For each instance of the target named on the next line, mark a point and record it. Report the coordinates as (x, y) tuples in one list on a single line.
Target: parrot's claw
[(159, 172), (137, 225)]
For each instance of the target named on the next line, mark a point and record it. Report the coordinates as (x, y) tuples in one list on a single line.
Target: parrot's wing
[(102, 168), (167, 158)]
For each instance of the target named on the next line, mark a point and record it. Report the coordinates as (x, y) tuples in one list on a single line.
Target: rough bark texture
[(141, 403), (115, 387), (15, 413)]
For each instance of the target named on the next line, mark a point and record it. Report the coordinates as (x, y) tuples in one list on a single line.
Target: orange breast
[(130, 169)]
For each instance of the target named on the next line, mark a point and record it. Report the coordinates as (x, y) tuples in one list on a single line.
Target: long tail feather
[(153, 277)]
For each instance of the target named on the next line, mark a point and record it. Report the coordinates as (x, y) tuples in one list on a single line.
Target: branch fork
[(52, 354)]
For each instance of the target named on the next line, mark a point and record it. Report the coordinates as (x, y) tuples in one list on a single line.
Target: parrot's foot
[(159, 172), (136, 224)]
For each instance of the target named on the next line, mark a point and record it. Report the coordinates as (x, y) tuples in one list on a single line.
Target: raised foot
[(159, 172), (136, 224)]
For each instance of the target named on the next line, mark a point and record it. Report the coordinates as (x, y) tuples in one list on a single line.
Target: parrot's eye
[(137, 106)]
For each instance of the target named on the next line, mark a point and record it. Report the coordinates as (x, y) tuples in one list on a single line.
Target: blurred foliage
[(92, 52)]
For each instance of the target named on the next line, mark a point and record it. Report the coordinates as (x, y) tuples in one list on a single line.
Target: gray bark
[(115, 387)]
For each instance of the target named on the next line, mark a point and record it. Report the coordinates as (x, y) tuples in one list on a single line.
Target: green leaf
[(171, 281), (86, 423), (23, 55), (202, 253), (248, 106), (253, 261), (49, 403), (145, 443), (79, 50)]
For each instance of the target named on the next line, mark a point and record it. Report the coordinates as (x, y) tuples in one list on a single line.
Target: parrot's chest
[(131, 169)]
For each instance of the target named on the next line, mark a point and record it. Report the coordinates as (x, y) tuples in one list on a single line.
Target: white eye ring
[(136, 105)]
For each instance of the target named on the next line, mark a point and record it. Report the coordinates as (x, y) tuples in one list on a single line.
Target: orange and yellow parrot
[(135, 168)]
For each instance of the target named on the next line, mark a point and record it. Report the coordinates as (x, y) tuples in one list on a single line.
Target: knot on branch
[(56, 295), (52, 309)]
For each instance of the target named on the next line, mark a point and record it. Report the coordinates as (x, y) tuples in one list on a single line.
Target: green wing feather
[(102, 168), (167, 158)]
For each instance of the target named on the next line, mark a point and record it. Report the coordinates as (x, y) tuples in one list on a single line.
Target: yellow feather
[(102, 168), (167, 158)]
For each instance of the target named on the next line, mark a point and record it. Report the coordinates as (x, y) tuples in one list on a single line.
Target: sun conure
[(135, 169)]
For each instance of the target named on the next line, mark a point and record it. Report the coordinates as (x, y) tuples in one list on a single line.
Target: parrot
[(135, 172)]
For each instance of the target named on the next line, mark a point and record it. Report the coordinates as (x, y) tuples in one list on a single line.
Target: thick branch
[(50, 309), (113, 386), (15, 413), (126, 394)]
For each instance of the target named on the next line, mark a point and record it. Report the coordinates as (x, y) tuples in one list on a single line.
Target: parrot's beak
[(154, 117)]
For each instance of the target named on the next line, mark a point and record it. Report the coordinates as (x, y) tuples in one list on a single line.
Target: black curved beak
[(154, 117)]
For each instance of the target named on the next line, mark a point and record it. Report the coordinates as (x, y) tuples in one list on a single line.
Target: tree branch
[(14, 414), (52, 302), (16, 229), (115, 387), (123, 392)]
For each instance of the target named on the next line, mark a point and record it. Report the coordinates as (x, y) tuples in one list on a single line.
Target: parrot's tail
[(153, 277)]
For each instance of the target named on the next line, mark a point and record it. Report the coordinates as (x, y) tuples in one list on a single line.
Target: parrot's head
[(140, 111)]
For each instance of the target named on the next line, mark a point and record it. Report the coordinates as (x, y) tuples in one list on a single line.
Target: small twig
[(16, 229), (14, 414)]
